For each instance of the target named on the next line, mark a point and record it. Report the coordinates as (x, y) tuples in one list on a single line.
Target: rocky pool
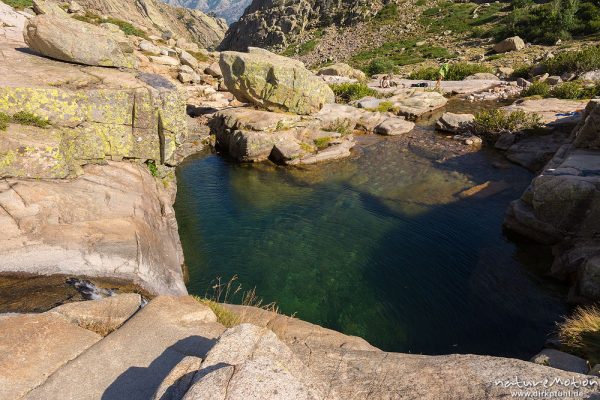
[(382, 245)]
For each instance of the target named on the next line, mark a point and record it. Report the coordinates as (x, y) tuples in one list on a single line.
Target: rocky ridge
[(230, 10)]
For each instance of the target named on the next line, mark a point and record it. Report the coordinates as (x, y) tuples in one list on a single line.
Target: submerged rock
[(273, 82), (74, 41)]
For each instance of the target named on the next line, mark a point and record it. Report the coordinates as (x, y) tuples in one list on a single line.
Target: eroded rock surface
[(114, 221)]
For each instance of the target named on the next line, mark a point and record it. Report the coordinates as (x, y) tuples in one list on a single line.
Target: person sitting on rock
[(384, 82)]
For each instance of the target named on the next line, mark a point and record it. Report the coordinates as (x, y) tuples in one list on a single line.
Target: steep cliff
[(275, 23)]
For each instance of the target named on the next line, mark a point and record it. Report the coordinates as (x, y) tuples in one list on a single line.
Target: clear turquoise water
[(377, 246)]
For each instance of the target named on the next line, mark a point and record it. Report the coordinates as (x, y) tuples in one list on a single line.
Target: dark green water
[(377, 246)]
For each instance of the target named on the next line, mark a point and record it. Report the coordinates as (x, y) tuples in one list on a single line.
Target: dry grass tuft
[(580, 333)]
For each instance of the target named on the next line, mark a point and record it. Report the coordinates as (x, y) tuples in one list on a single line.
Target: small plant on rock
[(322, 142), (27, 118), (152, 168)]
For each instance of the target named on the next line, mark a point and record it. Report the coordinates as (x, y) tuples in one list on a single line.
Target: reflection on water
[(378, 246)]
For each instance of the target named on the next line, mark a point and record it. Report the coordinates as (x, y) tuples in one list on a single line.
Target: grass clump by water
[(580, 333), (232, 293), (27, 118), (19, 4), (347, 92), (492, 123), (456, 72), (574, 90), (125, 26)]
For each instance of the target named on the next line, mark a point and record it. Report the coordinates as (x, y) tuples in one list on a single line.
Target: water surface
[(379, 246)]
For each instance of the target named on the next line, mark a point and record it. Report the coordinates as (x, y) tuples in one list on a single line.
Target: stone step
[(131, 362)]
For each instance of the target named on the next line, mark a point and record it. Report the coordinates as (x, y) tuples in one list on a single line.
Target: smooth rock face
[(179, 380), (131, 362), (560, 360), (394, 126), (562, 207), (251, 363), (103, 315), (114, 221), (451, 122), (274, 82), (415, 104), (551, 110), (342, 69), (33, 346), (510, 44), (590, 76), (74, 41)]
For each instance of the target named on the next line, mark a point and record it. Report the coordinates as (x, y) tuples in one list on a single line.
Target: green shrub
[(575, 61), (19, 4), (322, 142), (387, 14), (580, 333), (27, 118), (199, 56), (347, 92), (456, 72), (575, 91), (521, 71), (491, 123), (380, 66), (384, 106), (4, 120), (538, 88)]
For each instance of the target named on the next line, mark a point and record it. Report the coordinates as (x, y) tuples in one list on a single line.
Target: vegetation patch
[(303, 48), (459, 17), (388, 14), (492, 123), (574, 90), (546, 22), (199, 56), (392, 54), (575, 61), (347, 92), (19, 4), (384, 106), (456, 72), (4, 120), (125, 26), (225, 317), (152, 168), (27, 118), (580, 333)]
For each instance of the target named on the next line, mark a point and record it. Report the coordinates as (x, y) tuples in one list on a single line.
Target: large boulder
[(514, 43), (342, 69), (451, 122), (274, 82), (74, 41)]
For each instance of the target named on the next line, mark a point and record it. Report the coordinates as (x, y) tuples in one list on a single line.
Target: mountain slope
[(230, 10), (275, 24)]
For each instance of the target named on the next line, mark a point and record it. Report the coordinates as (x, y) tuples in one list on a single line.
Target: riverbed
[(393, 244)]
